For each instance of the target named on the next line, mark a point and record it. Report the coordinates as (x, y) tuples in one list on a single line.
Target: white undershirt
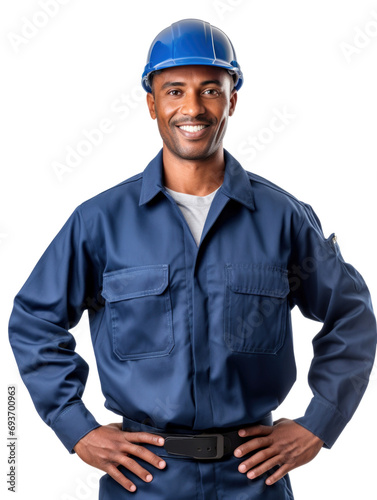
[(194, 208)]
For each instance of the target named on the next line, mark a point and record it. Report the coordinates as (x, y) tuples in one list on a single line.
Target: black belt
[(202, 446), (212, 444)]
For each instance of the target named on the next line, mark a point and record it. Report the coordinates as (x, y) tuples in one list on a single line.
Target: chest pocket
[(140, 308), (256, 308)]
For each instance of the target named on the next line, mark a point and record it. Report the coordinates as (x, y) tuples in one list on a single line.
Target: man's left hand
[(286, 444)]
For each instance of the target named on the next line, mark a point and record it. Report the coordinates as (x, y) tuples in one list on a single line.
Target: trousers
[(188, 479), (191, 479)]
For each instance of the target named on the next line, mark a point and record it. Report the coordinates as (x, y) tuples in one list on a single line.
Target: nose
[(192, 105)]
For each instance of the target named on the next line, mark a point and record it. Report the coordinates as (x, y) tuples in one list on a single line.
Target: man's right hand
[(108, 446)]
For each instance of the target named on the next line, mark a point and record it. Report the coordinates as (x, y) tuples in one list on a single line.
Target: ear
[(232, 101), (151, 105)]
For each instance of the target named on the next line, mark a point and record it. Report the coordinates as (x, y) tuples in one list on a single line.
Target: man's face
[(192, 105)]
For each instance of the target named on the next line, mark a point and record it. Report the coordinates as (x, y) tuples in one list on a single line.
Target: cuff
[(324, 420), (73, 424)]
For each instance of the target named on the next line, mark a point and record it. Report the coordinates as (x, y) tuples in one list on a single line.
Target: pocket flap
[(257, 279), (135, 282)]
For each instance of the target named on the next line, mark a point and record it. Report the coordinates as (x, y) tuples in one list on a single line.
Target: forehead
[(192, 74)]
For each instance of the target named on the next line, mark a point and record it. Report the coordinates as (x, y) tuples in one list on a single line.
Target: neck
[(198, 177)]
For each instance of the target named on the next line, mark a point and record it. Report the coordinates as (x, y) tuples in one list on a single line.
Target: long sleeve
[(329, 290), (51, 302)]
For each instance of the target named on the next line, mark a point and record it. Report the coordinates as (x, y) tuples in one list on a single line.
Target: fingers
[(121, 478), (134, 466), (262, 469), (146, 455), (255, 444), (144, 437), (130, 448), (267, 466), (260, 462), (265, 456), (140, 451), (107, 447), (263, 462), (255, 430), (284, 444), (281, 472)]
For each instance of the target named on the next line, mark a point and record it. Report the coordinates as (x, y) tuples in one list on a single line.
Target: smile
[(192, 128)]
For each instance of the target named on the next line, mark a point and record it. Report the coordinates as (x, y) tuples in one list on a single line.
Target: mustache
[(203, 121)]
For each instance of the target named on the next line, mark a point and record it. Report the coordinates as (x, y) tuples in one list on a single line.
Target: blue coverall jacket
[(193, 337)]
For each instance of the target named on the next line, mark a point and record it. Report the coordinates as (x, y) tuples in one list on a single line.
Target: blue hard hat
[(191, 41)]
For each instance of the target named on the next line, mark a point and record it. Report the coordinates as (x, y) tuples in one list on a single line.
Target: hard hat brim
[(191, 61)]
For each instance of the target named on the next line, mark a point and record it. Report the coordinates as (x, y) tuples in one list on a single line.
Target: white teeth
[(191, 128)]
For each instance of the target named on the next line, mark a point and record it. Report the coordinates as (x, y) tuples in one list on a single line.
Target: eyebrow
[(182, 84)]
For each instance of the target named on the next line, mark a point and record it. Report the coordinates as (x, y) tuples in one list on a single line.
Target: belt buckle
[(219, 445)]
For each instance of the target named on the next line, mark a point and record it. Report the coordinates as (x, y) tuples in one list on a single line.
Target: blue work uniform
[(190, 337)]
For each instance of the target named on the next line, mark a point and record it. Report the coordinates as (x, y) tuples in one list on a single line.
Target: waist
[(214, 443)]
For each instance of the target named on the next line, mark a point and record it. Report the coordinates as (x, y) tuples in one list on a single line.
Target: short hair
[(150, 78)]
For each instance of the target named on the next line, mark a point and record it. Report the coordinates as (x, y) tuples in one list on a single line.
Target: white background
[(74, 71)]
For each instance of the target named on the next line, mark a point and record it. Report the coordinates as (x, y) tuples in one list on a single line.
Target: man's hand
[(286, 444), (108, 446)]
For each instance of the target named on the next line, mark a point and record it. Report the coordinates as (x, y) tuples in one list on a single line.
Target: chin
[(194, 154)]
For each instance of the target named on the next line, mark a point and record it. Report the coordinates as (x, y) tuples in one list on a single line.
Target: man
[(189, 271)]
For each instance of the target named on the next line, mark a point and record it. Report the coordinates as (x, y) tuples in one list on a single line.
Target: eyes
[(206, 92)]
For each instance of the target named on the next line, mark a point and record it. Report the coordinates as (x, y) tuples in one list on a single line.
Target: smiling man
[(189, 271), (192, 104)]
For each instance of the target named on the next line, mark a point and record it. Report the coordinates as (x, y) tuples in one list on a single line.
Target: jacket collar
[(236, 184)]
